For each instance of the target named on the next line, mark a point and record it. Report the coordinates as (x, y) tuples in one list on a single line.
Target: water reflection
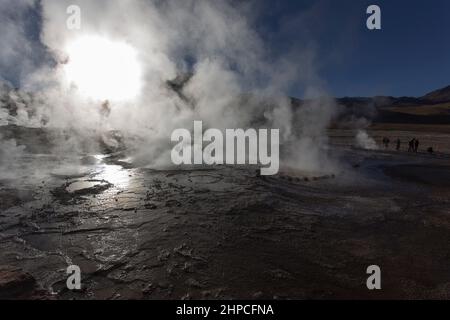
[(114, 174)]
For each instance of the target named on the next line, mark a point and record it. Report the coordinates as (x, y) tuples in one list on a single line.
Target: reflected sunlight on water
[(114, 174)]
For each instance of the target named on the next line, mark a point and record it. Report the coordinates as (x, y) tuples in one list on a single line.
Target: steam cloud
[(227, 77), (363, 140)]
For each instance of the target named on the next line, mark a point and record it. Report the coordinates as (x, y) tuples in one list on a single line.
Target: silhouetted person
[(411, 145), (416, 145), (105, 109), (398, 144)]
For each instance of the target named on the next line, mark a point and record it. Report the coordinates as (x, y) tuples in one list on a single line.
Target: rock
[(148, 289), (17, 284), (165, 285)]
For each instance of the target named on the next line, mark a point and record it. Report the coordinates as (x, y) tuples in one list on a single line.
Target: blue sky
[(410, 56)]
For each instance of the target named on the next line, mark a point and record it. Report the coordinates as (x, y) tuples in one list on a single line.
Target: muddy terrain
[(226, 232)]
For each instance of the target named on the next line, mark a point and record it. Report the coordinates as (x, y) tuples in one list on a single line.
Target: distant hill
[(432, 108), (437, 96)]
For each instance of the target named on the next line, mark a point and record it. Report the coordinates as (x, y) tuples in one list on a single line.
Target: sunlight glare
[(103, 69)]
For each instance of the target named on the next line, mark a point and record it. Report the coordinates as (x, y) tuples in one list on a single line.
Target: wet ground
[(225, 232)]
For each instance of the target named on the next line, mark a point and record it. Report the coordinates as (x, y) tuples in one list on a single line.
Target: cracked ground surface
[(224, 232)]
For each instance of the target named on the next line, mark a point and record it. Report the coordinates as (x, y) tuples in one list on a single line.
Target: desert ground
[(227, 233)]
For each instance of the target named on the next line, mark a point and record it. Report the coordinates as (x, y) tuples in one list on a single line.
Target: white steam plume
[(234, 81), (363, 140)]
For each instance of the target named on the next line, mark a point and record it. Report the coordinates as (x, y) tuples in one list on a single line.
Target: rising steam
[(198, 60), (363, 140)]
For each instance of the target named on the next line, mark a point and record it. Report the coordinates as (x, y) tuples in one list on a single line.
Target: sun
[(103, 69)]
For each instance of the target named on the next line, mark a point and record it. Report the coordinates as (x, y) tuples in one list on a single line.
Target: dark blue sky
[(409, 56)]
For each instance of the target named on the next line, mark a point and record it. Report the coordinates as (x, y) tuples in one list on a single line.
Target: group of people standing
[(413, 145)]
